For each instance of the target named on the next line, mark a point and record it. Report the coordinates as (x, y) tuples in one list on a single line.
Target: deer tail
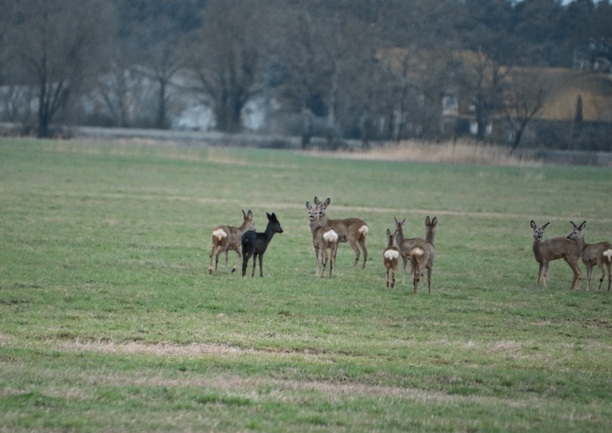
[(608, 254)]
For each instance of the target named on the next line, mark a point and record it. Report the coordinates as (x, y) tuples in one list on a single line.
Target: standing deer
[(423, 253), (592, 254), (226, 238), (404, 244), (323, 238), (351, 230), (553, 249), (391, 257), (254, 244)]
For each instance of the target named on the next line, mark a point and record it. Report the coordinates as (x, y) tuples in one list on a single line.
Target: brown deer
[(545, 251), (404, 244), (255, 244), (391, 257), (226, 238), (423, 253), (351, 230), (592, 254), (323, 238)]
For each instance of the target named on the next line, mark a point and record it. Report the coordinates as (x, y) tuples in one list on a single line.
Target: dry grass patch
[(455, 152)]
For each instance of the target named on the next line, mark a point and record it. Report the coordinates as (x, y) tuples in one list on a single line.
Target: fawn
[(323, 238), (226, 238), (553, 249), (592, 254), (351, 230), (254, 244), (391, 257), (423, 253)]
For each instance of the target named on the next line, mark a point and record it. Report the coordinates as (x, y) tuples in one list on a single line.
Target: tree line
[(367, 69)]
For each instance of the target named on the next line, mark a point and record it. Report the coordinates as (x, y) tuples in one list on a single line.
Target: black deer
[(254, 244)]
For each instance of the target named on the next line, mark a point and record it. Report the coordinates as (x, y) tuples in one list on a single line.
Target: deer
[(545, 251), (351, 230), (592, 254), (255, 244), (323, 238), (391, 257), (423, 253), (404, 244), (226, 238)]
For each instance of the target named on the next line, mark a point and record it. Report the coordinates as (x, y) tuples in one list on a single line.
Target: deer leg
[(323, 261), (254, 264), (237, 260), (544, 272), (589, 269), (392, 278), (212, 253), (357, 253), (387, 277), (261, 265), (429, 270), (577, 274), (362, 242), (245, 262)]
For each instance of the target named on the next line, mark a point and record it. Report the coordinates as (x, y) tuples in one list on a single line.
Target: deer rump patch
[(391, 254), (219, 234)]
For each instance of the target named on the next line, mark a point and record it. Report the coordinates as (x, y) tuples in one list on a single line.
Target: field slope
[(109, 320)]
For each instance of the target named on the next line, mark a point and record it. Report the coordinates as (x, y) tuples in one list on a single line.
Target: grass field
[(109, 320)]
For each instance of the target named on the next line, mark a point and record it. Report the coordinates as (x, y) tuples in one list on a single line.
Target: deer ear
[(545, 225), (583, 225), (427, 220), (308, 205), (534, 225), (434, 221), (327, 202), (573, 225), (316, 200), (268, 215)]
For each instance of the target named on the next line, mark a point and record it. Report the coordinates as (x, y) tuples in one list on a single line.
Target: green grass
[(109, 319)]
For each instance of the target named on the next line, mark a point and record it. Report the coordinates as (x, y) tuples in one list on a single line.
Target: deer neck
[(269, 233), (399, 236), (429, 236), (580, 243), (243, 226)]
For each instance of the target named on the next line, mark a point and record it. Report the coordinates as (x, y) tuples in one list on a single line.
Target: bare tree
[(160, 59), (228, 58), (484, 80), (524, 97), (56, 44)]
